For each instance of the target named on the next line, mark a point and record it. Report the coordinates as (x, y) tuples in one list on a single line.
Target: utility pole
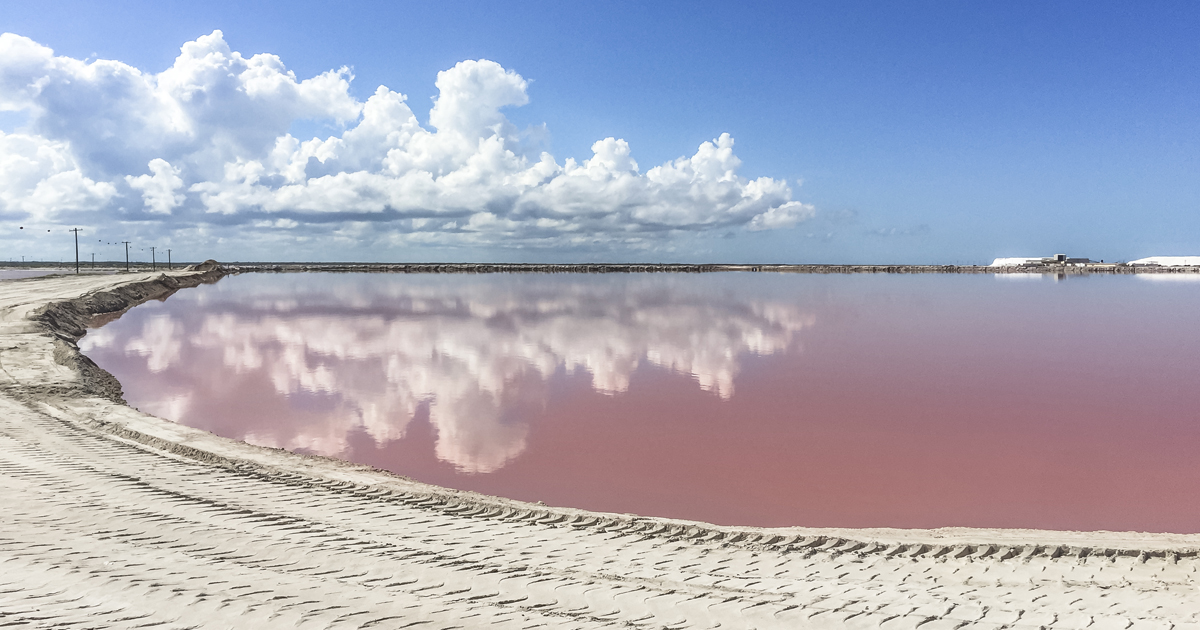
[(168, 259), (153, 262), (126, 255), (76, 231), (93, 260)]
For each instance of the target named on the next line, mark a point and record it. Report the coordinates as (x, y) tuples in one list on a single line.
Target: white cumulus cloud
[(39, 178), (205, 146), (160, 189)]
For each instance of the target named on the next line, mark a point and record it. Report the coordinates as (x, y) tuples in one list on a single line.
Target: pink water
[(751, 399)]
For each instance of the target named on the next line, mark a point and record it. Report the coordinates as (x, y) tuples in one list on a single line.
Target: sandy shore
[(113, 518)]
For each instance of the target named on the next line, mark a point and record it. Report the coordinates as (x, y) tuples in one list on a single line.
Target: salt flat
[(113, 518)]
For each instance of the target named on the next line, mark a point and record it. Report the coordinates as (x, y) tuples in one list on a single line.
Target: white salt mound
[(1015, 262), (1168, 261)]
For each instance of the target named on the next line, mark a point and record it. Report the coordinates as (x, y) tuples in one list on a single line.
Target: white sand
[(112, 518)]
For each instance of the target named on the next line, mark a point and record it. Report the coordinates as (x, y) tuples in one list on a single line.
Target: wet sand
[(114, 518)]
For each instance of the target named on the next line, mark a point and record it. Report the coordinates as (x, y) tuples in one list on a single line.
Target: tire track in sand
[(114, 519)]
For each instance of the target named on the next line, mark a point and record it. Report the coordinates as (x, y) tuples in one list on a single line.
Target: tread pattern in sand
[(100, 530)]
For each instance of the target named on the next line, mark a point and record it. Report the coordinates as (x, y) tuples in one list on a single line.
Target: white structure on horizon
[(1043, 260), (1167, 261), (1015, 262)]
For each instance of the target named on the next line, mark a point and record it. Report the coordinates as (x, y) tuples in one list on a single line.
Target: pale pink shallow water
[(751, 399)]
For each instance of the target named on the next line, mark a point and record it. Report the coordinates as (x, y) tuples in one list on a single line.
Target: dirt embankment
[(69, 320), (1052, 269)]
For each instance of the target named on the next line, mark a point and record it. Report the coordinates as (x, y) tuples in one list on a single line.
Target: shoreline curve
[(51, 394)]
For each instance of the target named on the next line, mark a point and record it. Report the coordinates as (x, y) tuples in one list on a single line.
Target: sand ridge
[(115, 518)]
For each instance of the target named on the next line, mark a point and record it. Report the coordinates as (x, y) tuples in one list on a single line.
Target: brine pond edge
[(67, 318)]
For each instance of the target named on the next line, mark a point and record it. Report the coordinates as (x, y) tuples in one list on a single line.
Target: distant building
[(1168, 261), (1057, 259)]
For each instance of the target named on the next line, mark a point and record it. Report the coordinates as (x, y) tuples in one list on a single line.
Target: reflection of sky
[(917, 400), (1169, 277), (365, 353)]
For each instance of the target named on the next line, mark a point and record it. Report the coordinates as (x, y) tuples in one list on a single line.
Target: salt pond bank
[(116, 518)]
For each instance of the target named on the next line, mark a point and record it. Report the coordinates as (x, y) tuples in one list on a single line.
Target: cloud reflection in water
[(369, 353)]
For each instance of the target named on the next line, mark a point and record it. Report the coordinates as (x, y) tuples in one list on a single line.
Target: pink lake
[(741, 399)]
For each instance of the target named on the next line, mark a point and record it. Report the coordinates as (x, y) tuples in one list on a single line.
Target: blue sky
[(935, 132)]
